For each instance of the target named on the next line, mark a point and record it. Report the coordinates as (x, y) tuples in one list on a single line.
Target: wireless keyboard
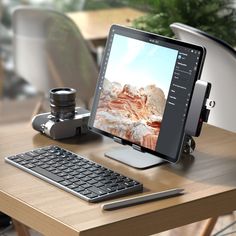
[(75, 174)]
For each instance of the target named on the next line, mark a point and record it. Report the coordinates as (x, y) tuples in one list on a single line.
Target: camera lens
[(62, 102)]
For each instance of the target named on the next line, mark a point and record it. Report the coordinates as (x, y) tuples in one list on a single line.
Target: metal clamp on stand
[(198, 113)]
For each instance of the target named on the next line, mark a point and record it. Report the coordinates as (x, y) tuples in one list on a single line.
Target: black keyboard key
[(69, 164), (74, 167), (121, 186), (75, 161), (73, 180), (50, 168), (68, 177), (106, 181), (13, 158), (86, 178), (65, 182), (27, 158), (74, 173), (92, 195), (98, 191), (56, 171), (44, 166), (80, 176), (46, 148), (86, 185), (87, 172), (29, 165), (47, 174), (93, 176), (23, 163), (39, 163), (92, 181), (80, 182), (86, 192), (79, 189), (129, 184), (62, 167), (113, 184), (56, 165), (99, 184), (61, 174), (40, 151), (32, 154), (100, 178), (68, 170), (108, 189), (73, 186)]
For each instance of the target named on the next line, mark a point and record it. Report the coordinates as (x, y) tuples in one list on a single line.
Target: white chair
[(49, 51), (219, 69)]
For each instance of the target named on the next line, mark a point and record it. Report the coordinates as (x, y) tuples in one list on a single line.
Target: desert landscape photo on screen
[(133, 96)]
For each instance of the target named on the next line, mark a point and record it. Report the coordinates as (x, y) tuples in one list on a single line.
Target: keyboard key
[(79, 189), (23, 163), (97, 190), (61, 174), (47, 174), (80, 182), (56, 171), (74, 179), (121, 186), (68, 177), (29, 165), (92, 195), (67, 170), (44, 166), (99, 184), (86, 178), (80, 176), (40, 151), (108, 189), (27, 158), (12, 158), (32, 154), (73, 186), (65, 182), (86, 185), (92, 181), (86, 192)]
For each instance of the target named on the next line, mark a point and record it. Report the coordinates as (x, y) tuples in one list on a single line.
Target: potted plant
[(216, 17)]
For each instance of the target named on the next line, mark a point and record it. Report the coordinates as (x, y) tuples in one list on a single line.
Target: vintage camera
[(65, 120)]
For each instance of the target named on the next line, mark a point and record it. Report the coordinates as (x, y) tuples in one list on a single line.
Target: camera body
[(59, 128), (65, 120)]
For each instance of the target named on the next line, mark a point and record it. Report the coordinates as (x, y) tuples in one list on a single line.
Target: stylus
[(142, 199)]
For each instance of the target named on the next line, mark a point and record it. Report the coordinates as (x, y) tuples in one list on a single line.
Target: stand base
[(134, 158)]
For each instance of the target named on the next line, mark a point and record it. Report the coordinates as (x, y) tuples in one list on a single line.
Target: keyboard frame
[(133, 190)]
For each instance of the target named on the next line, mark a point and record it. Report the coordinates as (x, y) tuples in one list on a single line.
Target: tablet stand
[(142, 160), (134, 158), (198, 113)]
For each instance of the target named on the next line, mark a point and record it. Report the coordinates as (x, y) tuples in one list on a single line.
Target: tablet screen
[(144, 90)]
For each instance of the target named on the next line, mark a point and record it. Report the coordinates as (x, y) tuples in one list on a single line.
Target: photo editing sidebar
[(177, 103)]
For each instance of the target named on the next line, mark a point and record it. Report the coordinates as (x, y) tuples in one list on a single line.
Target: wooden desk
[(95, 25), (209, 181)]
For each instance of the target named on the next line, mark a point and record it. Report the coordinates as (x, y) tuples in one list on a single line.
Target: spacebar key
[(47, 174)]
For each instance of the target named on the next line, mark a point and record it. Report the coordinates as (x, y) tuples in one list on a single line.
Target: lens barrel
[(62, 102)]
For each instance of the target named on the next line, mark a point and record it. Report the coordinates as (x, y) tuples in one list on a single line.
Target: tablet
[(144, 91)]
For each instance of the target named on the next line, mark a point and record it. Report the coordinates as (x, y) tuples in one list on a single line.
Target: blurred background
[(18, 98)]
